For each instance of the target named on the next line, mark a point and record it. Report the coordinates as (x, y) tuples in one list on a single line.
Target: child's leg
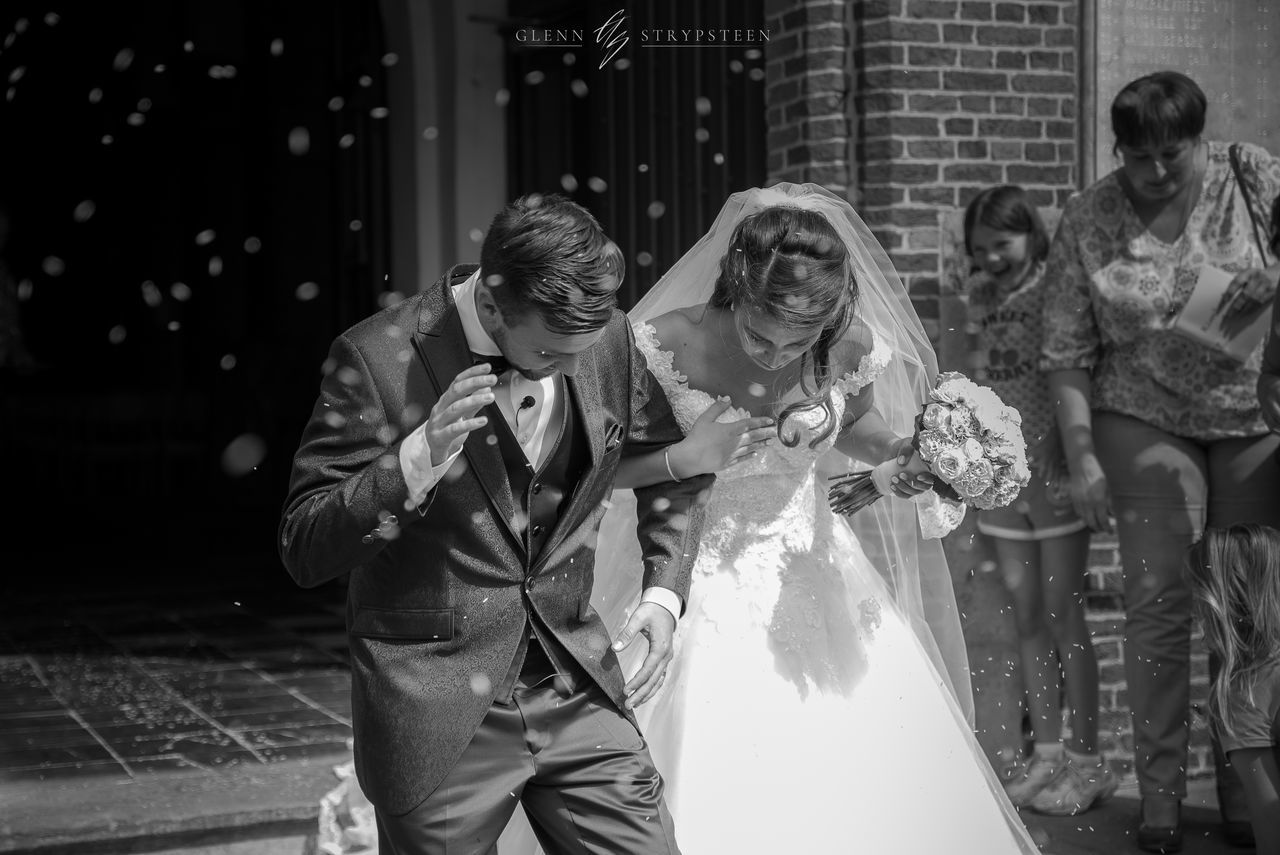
[(1019, 564), (1063, 562)]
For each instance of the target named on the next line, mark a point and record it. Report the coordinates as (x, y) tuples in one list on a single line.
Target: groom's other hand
[(658, 625), (454, 415)]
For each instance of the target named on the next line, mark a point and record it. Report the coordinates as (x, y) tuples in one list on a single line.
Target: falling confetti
[(355, 225), (123, 60), (390, 59), (533, 78), (116, 334), (84, 211), (756, 390), (644, 259), (173, 326), (493, 280), (151, 294), (243, 454), (736, 66), (502, 97), (215, 265), (25, 287), (597, 184), (252, 245), (336, 103), (346, 140), (756, 74), (206, 237), (379, 112), (180, 291), (277, 47), (568, 182), (476, 235), (144, 104), (702, 135), (718, 159), (51, 19), (307, 291), (227, 362), (702, 105), (430, 133), (95, 95), (644, 167), (136, 119), (159, 69), (188, 46), (622, 64), (16, 74), (656, 210), (579, 88), (299, 141), (53, 266)]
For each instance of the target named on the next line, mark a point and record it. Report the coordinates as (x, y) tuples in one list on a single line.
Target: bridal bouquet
[(968, 438)]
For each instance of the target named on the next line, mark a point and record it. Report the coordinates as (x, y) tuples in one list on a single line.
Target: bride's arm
[(709, 447)]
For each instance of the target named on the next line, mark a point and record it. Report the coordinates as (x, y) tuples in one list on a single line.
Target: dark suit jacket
[(439, 595)]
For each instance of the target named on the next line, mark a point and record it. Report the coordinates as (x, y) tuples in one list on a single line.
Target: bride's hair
[(790, 264)]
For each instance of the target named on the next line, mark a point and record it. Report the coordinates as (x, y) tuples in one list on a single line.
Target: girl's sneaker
[(1076, 789), (1024, 785)]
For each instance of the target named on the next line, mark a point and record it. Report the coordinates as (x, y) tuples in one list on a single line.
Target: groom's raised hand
[(455, 414), (658, 625)]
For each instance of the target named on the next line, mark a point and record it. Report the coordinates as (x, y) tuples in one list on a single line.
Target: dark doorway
[(197, 194), (656, 140)]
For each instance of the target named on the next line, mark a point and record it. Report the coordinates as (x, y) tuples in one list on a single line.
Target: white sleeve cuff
[(415, 462), (666, 598)]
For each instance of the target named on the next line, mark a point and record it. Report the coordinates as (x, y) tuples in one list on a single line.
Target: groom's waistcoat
[(539, 495)]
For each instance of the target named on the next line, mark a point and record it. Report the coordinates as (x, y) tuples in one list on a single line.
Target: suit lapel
[(442, 347)]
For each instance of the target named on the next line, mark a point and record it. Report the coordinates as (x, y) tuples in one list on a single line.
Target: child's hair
[(1234, 576), (791, 265), (1006, 208)]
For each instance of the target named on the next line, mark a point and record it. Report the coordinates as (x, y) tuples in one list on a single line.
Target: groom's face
[(531, 348)]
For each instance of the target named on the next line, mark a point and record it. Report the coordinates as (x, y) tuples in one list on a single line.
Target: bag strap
[(1234, 153)]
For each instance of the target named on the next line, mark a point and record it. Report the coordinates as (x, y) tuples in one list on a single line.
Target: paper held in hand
[(1201, 318)]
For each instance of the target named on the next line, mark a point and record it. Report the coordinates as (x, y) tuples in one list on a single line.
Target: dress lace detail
[(870, 366)]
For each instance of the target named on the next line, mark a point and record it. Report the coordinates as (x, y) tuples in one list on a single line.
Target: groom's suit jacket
[(441, 594)]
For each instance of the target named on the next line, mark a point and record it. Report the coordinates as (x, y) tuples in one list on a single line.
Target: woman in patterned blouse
[(1156, 426)]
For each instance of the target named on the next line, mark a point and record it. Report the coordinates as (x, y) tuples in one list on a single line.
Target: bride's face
[(769, 343)]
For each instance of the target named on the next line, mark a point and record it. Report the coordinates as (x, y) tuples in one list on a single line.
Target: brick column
[(807, 92)]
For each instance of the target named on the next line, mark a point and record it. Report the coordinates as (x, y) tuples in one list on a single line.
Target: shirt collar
[(464, 297)]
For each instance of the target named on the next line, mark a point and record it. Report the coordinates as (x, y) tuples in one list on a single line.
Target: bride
[(817, 699)]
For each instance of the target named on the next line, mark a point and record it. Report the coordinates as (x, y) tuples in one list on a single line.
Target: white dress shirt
[(528, 423)]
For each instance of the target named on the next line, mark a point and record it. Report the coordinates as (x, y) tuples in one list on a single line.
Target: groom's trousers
[(581, 770)]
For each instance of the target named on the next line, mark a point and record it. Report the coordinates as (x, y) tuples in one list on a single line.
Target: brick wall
[(909, 108)]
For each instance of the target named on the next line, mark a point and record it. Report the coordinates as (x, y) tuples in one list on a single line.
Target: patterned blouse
[(1113, 289)]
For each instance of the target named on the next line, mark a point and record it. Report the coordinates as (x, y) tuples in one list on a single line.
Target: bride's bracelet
[(666, 458)]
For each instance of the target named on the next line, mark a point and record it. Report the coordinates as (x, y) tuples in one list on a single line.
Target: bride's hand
[(712, 445), (908, 475)]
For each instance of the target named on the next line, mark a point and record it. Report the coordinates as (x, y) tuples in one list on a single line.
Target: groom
[(457, 464)]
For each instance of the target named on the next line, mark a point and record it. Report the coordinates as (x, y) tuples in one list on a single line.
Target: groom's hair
[(547, 254)]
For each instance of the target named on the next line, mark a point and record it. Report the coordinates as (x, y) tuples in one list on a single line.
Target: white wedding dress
[(800, 712)]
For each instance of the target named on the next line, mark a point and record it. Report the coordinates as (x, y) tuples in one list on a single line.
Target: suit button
[(368, 538), (538, 530), (537, 488), (391, 520)]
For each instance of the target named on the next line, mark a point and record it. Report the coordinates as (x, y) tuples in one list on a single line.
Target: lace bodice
[(773, 493)]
